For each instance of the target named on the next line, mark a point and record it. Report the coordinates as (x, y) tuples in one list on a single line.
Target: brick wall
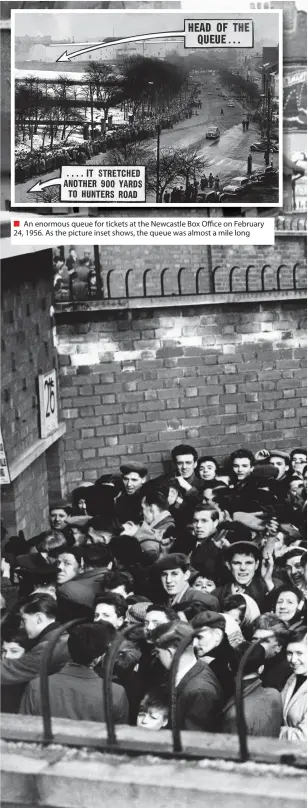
[(27, 350), (27, 346), (137, 383)]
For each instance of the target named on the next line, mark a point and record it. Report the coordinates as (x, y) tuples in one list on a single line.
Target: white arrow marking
[(67, 57), (41, 185)]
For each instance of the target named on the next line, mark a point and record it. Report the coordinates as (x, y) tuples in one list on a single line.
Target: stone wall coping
[(29, 729), (173, 301), (31, 454)]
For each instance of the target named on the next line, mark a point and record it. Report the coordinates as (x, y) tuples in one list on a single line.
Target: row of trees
[(144, 85)]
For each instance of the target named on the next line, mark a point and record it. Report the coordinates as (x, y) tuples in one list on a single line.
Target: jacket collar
[(194, 671), (78, 671), (51, 627), (248, 687)]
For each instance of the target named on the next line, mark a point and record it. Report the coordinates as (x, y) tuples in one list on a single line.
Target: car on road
[(261, 146), (230, 103), (208, 196), (212, 133), (236, 186)]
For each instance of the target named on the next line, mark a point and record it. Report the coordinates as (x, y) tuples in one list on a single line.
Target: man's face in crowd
[(269, 641), (295, 570), (99, 536), (207, 639), (297, 657), (173, 581), (243, 567), (57, 519), (68, 568), (207, 470), (241, 468), (152, 717), (12, 650), (204, 584), (203, 525), (106, 611), (152, 620), (299, 460), (132, 482), (279, 464), (185, 465), (32, 624), (286, 605)]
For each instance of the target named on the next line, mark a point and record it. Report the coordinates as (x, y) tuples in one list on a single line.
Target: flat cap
[(209, 619), (172, 562), (278, 453), (133, 466), (264, 471)]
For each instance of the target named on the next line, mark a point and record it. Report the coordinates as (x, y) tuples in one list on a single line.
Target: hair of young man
[(53, 545), (298, 451), (154, 701), (234, 602), (44, 604), (156, 496), (242, 453), (270, 622), (254, 662), (113, 599), (298, 635), (116, 578), (207, 459), (184, 449), (88, 641), (96, 555), (170, 613), (170, 635), (209, 509)]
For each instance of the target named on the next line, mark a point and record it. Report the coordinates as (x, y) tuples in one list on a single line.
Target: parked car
[(208, 196), (212, 133), (230, 103), (236, 186), (261, 146)]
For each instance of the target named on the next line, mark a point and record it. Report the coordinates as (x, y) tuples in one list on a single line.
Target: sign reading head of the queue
[(209, 33), (98, 183)]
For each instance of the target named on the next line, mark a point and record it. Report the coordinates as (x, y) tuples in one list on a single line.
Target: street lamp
[(158, 130)]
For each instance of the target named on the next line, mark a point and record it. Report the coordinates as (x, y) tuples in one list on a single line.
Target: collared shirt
[(177, 598)]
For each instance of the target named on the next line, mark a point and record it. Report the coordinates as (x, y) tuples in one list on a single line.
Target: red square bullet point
[(16, 224)]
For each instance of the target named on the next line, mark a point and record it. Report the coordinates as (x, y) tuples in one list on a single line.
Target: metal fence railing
[(133, 284), (112, 743)]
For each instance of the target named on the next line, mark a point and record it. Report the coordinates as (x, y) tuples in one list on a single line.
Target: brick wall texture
[(137, 383), (27, 350)]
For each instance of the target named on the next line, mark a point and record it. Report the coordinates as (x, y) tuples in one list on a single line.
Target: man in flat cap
[(212, 646), (198, 692), (128, 502), (281, 461), (174, 573)]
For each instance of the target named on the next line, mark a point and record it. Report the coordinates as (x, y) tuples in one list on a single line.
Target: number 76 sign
[(48, 400)]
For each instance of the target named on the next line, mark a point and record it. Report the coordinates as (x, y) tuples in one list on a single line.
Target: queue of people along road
[(213, 554)]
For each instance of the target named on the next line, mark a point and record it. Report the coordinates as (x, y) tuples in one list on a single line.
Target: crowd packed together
[(213, 555), (30, 163)]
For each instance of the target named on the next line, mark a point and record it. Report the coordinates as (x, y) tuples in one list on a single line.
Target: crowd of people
[(213, 555), (32, 163)]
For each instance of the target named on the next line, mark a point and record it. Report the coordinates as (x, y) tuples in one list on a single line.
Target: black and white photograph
[(165, 109), (153, 440)]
